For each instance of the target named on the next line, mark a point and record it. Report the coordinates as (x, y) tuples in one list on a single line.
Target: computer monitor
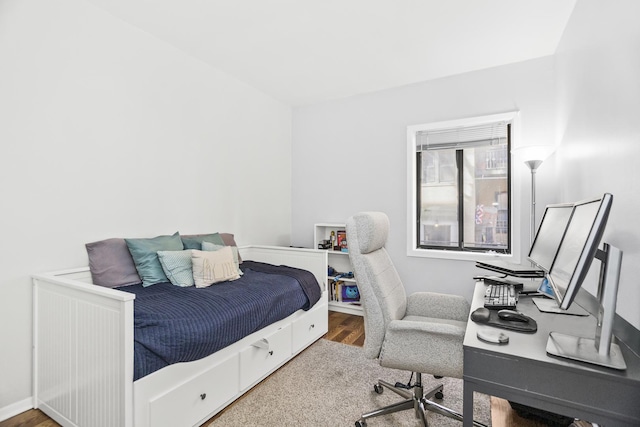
[(578, 248), (576, 252), (550, 232), (544, 247)]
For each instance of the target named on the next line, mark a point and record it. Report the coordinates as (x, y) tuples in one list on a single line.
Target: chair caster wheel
[(362, 423), (378, 388), (439, 395)]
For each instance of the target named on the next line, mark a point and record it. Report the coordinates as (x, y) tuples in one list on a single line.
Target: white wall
[(598, 78), (106, 131), (350, 155)]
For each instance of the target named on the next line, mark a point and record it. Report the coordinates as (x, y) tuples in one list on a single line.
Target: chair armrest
[(442, 306), (434, 348)]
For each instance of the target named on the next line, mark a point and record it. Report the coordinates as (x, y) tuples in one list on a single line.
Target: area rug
[(331, 384)]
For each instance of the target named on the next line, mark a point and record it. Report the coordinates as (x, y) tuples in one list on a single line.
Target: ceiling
[(304, 52)]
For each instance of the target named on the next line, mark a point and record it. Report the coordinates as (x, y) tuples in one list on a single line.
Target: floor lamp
[(533, 157), (533, 165)]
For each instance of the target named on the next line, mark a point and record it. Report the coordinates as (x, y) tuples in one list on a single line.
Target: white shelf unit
[(340, 262)]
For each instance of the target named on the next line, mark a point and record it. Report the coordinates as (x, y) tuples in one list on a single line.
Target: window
[(460, 186)]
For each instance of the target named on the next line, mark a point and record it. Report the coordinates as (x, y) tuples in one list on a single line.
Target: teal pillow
[(145, 256), (177, 267), (195, 241)]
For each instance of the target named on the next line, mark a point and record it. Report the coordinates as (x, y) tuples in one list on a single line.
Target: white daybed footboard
[(83, 353)]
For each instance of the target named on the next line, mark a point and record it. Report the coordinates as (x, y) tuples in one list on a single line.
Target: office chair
[(420, 333)]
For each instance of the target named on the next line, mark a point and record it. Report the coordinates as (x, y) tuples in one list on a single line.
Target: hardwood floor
[(32, 418), (344, 328)]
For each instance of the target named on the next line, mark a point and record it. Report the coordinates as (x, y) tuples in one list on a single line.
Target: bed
[(84, 347)]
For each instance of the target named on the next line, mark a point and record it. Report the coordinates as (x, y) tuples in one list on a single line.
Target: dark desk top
[(522, 369), (533, 346)]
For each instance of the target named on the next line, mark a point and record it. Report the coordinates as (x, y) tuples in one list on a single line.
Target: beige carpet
[(331, 384)]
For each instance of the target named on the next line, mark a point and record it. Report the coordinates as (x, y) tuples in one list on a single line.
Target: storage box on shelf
[(341, 287)]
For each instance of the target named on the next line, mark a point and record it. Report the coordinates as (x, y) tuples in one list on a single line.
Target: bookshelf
[(339, 261)]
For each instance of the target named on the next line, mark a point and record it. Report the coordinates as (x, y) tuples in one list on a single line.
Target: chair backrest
[(382, 293)]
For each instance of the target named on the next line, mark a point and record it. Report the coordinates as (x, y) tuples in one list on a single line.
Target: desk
[(522, 372)]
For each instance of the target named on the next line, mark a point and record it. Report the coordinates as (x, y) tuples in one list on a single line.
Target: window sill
[(462, 256)]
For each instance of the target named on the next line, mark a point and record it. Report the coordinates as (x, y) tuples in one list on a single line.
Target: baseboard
[(16, 408)]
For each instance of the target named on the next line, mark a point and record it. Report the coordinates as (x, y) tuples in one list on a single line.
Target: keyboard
[(498, 297)]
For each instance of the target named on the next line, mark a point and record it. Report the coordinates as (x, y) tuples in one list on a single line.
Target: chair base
[(415, 399)]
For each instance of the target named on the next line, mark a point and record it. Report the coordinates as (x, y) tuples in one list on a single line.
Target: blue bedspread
[(174, 324)]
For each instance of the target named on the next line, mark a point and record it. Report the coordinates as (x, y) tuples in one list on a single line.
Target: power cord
[(406, 386)]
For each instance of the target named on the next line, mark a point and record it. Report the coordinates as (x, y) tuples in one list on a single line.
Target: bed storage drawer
[(192, 401), (311, 326), (264, 355)]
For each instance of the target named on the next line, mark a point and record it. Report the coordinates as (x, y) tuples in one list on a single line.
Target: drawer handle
[(203, 396), (312, 326), (270, 352), (263, 344)]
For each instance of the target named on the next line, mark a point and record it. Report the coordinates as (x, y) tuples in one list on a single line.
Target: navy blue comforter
[(174, 324)]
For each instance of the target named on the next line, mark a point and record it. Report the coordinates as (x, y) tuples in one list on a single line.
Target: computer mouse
[(481, 315), (512, 316)]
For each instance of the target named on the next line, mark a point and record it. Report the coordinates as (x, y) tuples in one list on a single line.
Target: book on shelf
[(342, 241)]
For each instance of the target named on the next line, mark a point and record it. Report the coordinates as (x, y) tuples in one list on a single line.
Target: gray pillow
[(145, 256), (230, 241), (111, 264)]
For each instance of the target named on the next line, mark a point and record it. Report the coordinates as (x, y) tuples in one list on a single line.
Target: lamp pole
[(533, 165)]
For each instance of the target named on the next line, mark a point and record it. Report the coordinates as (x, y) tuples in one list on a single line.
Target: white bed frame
[(83, 353)]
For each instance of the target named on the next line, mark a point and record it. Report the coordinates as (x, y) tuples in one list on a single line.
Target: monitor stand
[(584, 350), (599, 350)]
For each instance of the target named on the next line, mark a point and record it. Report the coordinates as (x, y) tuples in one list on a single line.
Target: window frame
[(413, 248)]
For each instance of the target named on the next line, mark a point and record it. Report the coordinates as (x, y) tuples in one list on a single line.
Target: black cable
[(405, 386)]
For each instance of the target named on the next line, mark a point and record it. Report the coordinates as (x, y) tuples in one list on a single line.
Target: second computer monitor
[(550, 233), (579, 247)]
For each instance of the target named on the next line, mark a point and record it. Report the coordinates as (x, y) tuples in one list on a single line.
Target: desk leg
[(467, 404)]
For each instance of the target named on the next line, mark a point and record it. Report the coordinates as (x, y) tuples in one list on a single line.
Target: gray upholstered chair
[(422, 333)]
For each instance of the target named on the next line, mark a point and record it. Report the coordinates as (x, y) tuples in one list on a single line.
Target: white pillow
[(213, 267), (208, 246)]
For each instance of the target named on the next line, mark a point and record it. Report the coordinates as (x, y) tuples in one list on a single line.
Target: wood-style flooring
[(31, 418), (344, 328)]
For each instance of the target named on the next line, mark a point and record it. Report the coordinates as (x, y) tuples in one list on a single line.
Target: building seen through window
[(463, 188)]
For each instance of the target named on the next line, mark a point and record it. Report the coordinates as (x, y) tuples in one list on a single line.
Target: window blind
[(462, 137)]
